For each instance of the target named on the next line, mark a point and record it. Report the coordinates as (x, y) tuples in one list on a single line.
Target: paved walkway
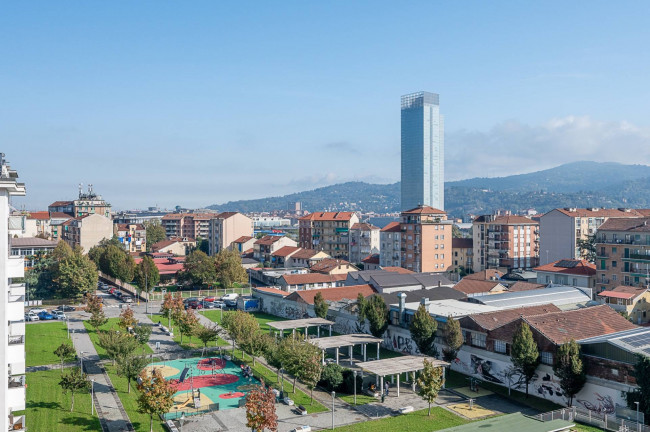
[(112, 415), (56, 366)]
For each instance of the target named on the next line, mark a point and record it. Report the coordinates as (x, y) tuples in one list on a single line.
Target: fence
[(593, 418), (215, 292)]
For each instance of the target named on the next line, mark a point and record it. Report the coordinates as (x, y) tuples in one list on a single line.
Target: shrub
[(332, 377)]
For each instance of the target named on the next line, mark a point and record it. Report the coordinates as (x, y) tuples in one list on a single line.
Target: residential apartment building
[(87, 203), (227, 227), (264, 248), (390, 249), (41, 223), (132, 236), (327, 231), (572, 272), (189, 225), (364, 241), (623, 253), (426, 240), (87, 231), (633, 301), (505, 242), (423, 151), (12, 320), (462, 253), (561, 229)]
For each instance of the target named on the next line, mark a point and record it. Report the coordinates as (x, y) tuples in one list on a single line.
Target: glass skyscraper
[(423, 151)]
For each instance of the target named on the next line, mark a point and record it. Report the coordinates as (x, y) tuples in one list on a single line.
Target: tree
[(199, 269), (320, 306), (260, 409), (95, 308), (188, 324), (147, 276), (240, 325), (156, 395), (455, 232), (154, 231), (568, 367), (256, 343), (142, 333), (375, 311), (61, 251), (430, 382), (74, 381), (642, 393), (127, 319), (117, 262), (453, 339), (74, 275), (172, 307), (423, 330), (332, 376), (296, 354), (229, 268), (310, 373), (64, 351), (524, 353), (207, 334), (117, 344), (203, 245), (587, 248), (130, 366)]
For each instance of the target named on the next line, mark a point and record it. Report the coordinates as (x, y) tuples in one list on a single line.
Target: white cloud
[(514, 148)]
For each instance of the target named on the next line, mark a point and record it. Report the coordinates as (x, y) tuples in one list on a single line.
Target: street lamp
[(67, 324), (333, 396), (282, 378), (355, 386), (81, 360), (637, 415), (92, 396)]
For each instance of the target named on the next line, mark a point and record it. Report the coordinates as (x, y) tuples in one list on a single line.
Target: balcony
[(15, 311), (16, 353), (17, 328), (16, 267), (16, 340), (17, 289), (639, 257), (17, 423), (16, 398)]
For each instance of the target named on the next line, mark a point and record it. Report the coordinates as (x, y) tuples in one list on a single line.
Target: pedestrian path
[(112, 415), (56, 366)]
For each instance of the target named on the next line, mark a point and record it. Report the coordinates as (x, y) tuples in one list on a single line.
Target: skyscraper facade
[(423, 151)]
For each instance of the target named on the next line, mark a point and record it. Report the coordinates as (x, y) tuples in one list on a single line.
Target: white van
[(230, 299)]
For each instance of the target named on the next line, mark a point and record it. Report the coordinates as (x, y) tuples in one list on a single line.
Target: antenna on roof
[(81, 185)]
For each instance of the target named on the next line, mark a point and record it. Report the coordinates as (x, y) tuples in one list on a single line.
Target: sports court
[(205, 384)]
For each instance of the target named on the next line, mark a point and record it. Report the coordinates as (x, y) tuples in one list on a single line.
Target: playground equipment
[(194, 394)]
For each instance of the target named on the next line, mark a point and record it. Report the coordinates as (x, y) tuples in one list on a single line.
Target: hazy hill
[(581, 184)]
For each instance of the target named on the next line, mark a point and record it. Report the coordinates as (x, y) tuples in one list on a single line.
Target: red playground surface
[(209, 364), (231, 395), (205, 381)]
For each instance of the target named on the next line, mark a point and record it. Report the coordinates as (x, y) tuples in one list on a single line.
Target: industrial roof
[(454, 308), (635, 340), (557, 295), (398, 365)]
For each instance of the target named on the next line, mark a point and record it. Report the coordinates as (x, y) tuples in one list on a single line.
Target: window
[(614, 264), (500, 346), (478, 339), (547, 358)]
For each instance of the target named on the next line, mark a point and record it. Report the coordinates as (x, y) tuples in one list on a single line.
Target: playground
[(205, 384)]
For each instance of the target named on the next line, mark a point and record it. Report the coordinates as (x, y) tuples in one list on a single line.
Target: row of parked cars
[(41, 314), (228, 300), (115, 292)]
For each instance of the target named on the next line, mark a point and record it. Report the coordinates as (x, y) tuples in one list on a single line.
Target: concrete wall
[(93, 229), (557, 236)]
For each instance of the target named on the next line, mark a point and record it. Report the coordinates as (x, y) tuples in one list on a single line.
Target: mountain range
[(577, 184)]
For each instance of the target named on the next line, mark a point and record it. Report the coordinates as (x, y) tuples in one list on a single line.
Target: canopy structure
[(306, 323), (398, 365), (349, 340)]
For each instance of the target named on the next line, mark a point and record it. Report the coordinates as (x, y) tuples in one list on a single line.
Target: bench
[(171, 426)]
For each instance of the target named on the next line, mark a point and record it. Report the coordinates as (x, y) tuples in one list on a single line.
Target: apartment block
[(227, 227), (390, 249), (132, 236), (12, 320), (462, 253), (623, 253), (426, 240), (327, 231), (188, 225), (561, 229), (87, 203), (264, 248), (505, 242), (364, 241), (87, 231)]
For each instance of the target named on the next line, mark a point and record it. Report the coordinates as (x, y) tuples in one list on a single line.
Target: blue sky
[(194, 103)]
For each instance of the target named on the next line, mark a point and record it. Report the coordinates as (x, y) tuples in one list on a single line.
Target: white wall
[(557, 236)]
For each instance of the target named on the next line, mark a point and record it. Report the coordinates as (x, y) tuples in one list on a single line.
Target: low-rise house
[(132, 236), (176, 246), (305, 258), (633, 301), (473, 288), (294, 282), (280, 257), (573, 272), (371, 262), (264, 247), (40, 221), (332, 266), (488, 274), (243, 243)]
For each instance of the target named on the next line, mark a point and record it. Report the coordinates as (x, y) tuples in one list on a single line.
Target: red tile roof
[(271, 291), (513, 220), (305, 254), (60, 215), (399, 270), (268, 240), (125, 227), (579, 324), (626, 224), (391, 227), (328, 216), (312, 278), (328, 264), (524, 286), (492, 320), (424, 210), (61, 203), (332, 294), (599, 212), (243, 239), (488, 274), (285, 251), (39, 215), (470, 286), (623, 292), (371, 259), (462, 243), (226, 215), (363, 226), (581, 268)]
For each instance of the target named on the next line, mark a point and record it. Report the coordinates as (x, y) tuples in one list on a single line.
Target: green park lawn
[(130, 402), (41, 341), (49, 409), (417, 421), (262, 318), (110, 324)]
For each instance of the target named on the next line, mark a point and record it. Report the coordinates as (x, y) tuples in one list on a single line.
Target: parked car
[(210, 299), (207, 304), (45, 316), (127, 299), (31, 317), (65, 308), (112, 290), (230, 299), (218, 304), (117, 294), (194, 304), (190, 299), (59, 315), (36, 311)]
